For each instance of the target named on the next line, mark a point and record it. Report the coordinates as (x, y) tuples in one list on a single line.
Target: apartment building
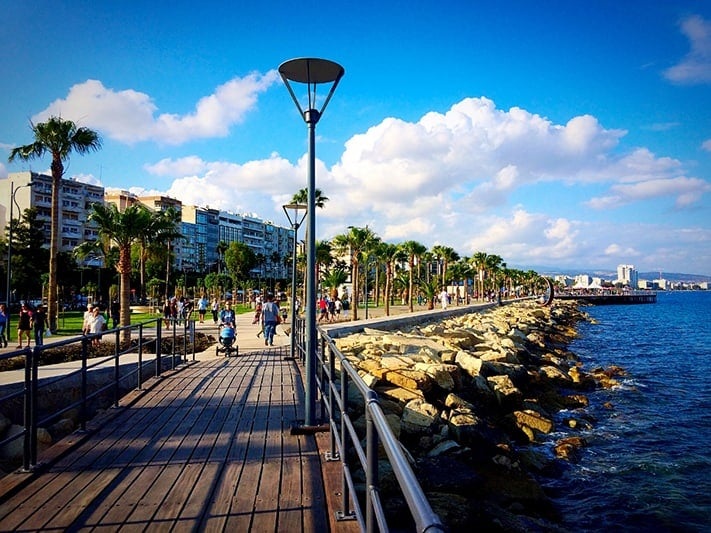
[(75, 201), (202, 227)]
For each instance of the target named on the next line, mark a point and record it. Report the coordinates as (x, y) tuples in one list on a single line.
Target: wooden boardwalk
[(207, 448)]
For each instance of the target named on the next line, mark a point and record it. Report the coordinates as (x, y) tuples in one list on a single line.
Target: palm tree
[(162, 230), (59, 138), (460, 272), (354, 243), (334, 278), (479, 262), (390, 255), (493, 265), (323, 259), (302, 197), (447, 255), (413, 250), (123, 230)]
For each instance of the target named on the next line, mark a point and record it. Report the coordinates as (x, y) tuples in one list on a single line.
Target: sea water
[(647, 466)]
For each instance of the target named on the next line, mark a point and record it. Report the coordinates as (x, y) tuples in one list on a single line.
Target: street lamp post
[(312, 72), (13, 192), (295, 220)]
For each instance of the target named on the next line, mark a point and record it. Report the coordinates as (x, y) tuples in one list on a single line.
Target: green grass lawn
[(70, 322)]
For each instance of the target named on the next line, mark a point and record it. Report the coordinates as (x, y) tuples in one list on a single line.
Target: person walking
[(39, 323), (88, 317), (444, 298), (227, 315), (115, 313), (4, 332), (96, 325), (270, 319), (202, 308), (214, 308), (24, 326)]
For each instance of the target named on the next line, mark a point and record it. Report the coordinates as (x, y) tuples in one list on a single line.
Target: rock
[(413, 380), (465, 427), (470, 364), (569, 448), (505, 391), (445, 376), (533, 420), (556, 374), (398, 394), (444, 447), (418, 416), (452, 401), (12, 451)]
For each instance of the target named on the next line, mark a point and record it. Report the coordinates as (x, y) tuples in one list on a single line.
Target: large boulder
[(419, 416)]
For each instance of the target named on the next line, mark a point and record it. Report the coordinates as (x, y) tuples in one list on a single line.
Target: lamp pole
[(13, 192), (312, 72), (295, 222)]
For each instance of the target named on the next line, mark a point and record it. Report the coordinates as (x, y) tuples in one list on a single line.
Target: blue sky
[(562, 134)]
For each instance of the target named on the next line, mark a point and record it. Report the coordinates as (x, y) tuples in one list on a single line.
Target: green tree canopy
[(240, 259)]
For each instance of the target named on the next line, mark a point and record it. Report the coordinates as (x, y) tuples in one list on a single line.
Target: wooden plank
[(229, 482), (266, 504)]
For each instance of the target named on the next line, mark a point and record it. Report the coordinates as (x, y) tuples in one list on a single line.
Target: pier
[(611, 298)]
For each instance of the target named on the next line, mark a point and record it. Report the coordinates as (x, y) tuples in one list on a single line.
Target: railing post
[(192, 338), (345, 440), (84, 378), (371, 472), (28, 411), (159, 344), (117, 370), (319, 375), (186, 328), (175, 336), (333, 451), (139, 372), (33, 405)]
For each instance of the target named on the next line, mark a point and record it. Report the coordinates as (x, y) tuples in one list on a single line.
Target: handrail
[(345, 443), (33, 418)]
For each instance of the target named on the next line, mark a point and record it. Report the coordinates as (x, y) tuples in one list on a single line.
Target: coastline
[(474, 400)]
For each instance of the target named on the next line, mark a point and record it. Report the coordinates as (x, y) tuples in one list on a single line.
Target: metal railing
[(334, 384), (100, 381)]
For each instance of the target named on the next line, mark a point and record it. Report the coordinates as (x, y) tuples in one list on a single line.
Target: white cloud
[(129, 116), (696, 65), (706, 145), (449, 178), (234, 187), (687, 191)]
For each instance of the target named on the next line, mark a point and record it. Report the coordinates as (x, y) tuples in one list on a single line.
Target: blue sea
[(648, 463)]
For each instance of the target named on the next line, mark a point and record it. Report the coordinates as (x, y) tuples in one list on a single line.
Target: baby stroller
[(226, 342)]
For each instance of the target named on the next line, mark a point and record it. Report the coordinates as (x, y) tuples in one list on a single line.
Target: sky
[(571, 135)]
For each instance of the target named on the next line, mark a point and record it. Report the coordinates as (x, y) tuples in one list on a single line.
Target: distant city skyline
[(569, 134)]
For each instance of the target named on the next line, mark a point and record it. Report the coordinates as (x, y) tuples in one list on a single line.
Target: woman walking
[(4, 332)]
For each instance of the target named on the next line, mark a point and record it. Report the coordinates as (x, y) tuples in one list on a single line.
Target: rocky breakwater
[(474, 398)]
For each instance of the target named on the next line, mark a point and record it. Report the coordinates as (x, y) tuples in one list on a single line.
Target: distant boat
[(609, 297)]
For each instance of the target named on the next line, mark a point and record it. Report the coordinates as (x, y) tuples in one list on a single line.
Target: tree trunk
[(410, 285), (57, 171), (356, 288), (388, 286), (124, 268)]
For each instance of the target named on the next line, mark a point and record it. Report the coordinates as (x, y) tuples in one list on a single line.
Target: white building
[(75, 201), (627, 275)]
